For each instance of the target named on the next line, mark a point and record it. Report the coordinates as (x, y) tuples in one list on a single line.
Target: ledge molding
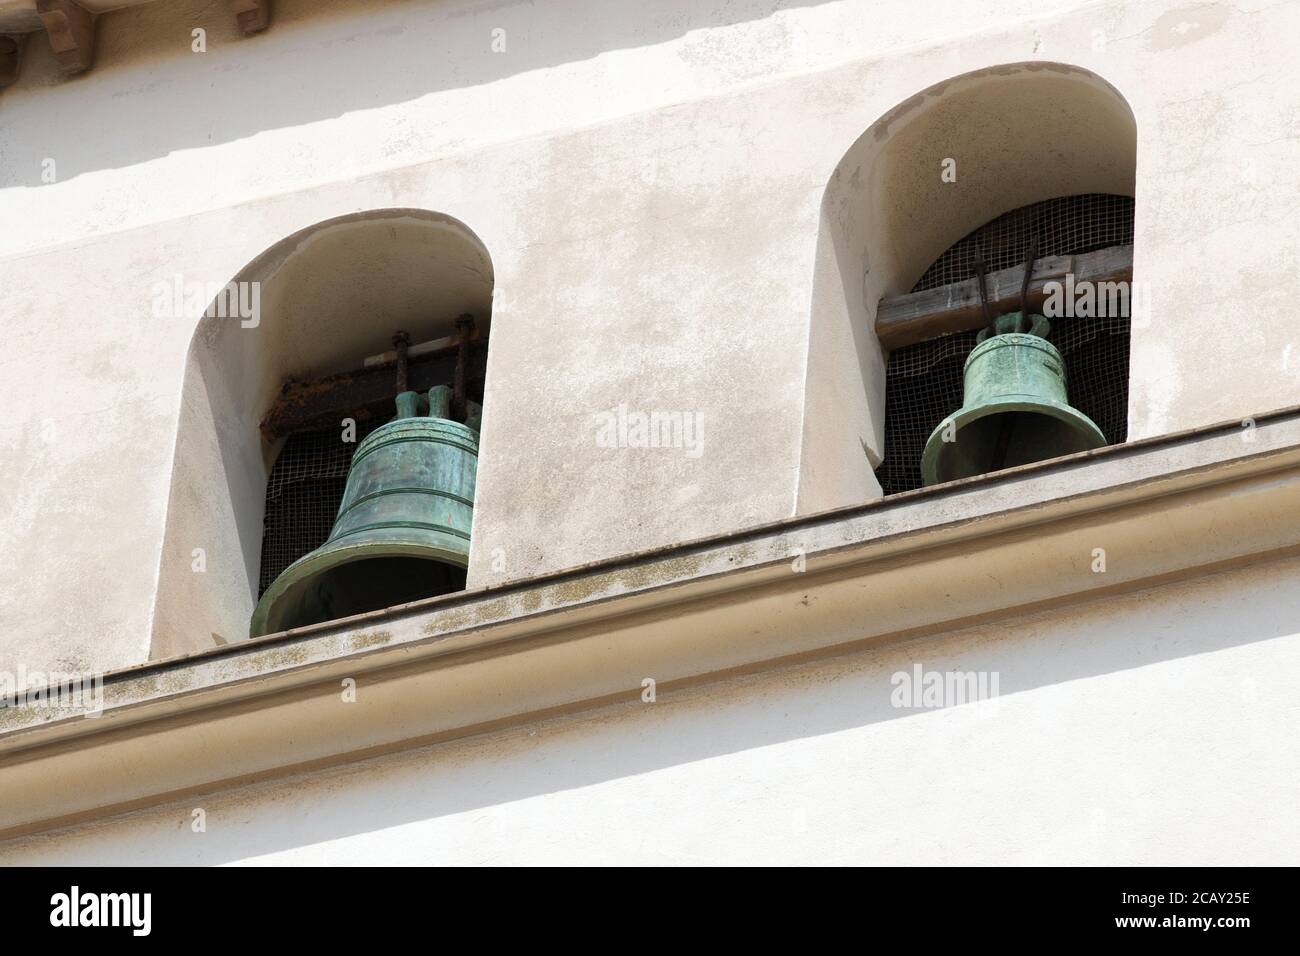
[(918, 563)]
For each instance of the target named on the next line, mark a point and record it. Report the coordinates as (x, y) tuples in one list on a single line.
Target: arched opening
[(924, 379), (932, 171), (329, 298)]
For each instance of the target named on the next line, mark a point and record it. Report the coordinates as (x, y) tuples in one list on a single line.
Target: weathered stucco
[(650, 190)]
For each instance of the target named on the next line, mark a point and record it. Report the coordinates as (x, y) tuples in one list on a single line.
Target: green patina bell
[(402, 531), (1014, 409)]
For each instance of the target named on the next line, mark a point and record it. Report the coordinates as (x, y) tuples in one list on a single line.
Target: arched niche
[(330, 295), (1016, 134)]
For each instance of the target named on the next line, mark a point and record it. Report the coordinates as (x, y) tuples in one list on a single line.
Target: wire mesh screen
[(1067, 226), (923, 382), (303, 496)]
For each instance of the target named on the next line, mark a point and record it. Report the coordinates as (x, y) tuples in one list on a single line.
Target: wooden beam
[(252, 16), (368, 393), (72, 33), (918, 316), (11, 58)]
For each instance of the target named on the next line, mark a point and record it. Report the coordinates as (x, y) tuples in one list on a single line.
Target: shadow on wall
[(330, 295), (320, 60), (1017, 134)]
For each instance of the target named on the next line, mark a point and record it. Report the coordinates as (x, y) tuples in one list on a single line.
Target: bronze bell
[(402, 531), (1014, 409)]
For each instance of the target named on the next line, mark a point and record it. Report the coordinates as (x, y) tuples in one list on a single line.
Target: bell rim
[(327, 557), (1019, 402)]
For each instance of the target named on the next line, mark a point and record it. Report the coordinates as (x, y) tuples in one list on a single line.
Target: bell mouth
[(336, 583), (1031, 430)]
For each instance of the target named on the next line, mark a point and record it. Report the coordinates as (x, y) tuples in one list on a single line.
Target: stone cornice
[(922, 562)]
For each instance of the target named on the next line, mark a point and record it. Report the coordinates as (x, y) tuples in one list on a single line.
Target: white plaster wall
[(341, 88), (1157, 728), (649, 190)]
